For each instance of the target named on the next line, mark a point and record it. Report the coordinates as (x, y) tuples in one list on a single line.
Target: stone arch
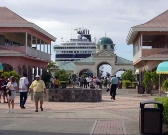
[(121, 69), (7, 67), (100, 64), (84, 70)]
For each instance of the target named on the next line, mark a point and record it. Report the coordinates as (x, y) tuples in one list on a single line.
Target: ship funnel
[(88, 31), (83, 31)]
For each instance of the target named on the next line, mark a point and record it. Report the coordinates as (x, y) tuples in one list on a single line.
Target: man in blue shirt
[(114, 83)]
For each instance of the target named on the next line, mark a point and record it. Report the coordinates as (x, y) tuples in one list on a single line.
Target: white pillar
[(41, 71), (37, 73), (26, 42), (50, 48), (141, 45), (26, 39), (36, 43)]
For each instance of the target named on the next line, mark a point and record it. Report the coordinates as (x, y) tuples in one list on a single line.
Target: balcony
[(147, 52), (30, 52)]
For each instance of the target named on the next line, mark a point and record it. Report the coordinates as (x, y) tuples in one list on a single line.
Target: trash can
[(140, 89), (63, 84), (150, 119)]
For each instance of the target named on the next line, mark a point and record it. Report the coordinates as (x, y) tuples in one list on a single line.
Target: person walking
[(3, 89), (11, 90), (39, 89), (85, 83), (23, 89), (56, 82), (114, 83)]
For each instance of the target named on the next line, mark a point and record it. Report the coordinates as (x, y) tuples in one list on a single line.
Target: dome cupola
[(105, 43)]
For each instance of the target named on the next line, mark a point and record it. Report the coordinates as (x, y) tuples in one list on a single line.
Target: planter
[(165, 128), (166, 93)]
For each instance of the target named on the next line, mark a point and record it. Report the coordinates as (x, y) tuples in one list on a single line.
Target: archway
[(119, 72), (87, 72), (7, 67), (104, 69)]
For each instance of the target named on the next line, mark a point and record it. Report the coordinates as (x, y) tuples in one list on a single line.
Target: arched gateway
[(104, 55)]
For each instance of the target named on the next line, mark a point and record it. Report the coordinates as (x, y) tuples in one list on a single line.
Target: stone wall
[(73, 95)]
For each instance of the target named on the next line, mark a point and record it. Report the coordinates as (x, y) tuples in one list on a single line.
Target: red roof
[(159, 21), (8, 16)]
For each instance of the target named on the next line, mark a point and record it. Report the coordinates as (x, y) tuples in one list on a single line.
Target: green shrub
[(11, 73), (126, 83), (164, 101)]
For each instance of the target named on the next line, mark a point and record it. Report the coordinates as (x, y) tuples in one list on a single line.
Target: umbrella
[(1, 68), (162, 68)]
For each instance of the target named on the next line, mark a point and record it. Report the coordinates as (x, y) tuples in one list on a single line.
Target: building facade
[(24, 46), (150, 44), (105, 55)]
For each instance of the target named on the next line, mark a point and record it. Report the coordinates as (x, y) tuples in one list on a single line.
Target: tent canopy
[(162, 68), (1, 68)]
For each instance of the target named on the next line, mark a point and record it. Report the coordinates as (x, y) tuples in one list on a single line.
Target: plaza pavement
[(119, 117)]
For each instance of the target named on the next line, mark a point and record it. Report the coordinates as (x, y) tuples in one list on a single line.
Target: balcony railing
[(30, 52)]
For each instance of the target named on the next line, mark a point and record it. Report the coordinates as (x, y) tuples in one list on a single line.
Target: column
[(40, 45), (50, 48), (44, 47), (47, 48), (36, 43), (26, 42), (37, 73), (141, 45), (31, 40)]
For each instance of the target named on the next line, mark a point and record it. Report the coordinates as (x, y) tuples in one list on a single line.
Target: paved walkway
[(119, 117)]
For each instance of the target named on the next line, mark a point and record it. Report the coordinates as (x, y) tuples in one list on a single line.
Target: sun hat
[(37, 76)]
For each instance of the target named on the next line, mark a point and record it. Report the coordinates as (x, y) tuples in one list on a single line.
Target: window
[(112, 47), (98, 46), (105, 47)]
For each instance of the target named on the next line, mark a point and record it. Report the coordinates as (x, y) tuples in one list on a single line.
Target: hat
[(37, 76)]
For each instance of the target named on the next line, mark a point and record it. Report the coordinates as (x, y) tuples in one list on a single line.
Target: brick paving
[(124, 108)]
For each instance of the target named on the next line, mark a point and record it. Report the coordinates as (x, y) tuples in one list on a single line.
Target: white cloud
[(58, 17)]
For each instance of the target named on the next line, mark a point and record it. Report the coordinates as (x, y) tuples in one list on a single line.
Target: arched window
[(98, 46), (105, 47)]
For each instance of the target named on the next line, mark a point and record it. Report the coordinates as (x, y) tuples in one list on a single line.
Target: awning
[(162, 68), (137, 71), (1, 68)]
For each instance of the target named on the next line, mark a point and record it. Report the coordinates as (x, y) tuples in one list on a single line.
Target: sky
[(115, 17)]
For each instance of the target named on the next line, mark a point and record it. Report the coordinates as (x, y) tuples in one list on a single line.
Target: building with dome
[(105, 54)]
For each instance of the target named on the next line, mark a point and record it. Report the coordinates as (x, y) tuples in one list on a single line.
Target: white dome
[(78, 36), (84, 38)]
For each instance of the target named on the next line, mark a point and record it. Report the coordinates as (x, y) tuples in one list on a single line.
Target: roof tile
[(8, 16), (159, 21)]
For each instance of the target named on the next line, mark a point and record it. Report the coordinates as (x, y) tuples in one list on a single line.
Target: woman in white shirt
[(11, 90)]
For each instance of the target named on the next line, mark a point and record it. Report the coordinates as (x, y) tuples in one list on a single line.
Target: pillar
[(44, 47), (36, 43), (50, 48), (26, 42), (40, 45), (31, 40), (47, 48)]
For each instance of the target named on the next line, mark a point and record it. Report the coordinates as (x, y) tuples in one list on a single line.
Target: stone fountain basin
[(73, 95)]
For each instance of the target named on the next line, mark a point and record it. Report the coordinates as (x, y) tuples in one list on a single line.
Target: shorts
[(38, 96), (13, 95), (3, 92)]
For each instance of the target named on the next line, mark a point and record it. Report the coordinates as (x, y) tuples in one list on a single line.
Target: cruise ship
[(76, 49)]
